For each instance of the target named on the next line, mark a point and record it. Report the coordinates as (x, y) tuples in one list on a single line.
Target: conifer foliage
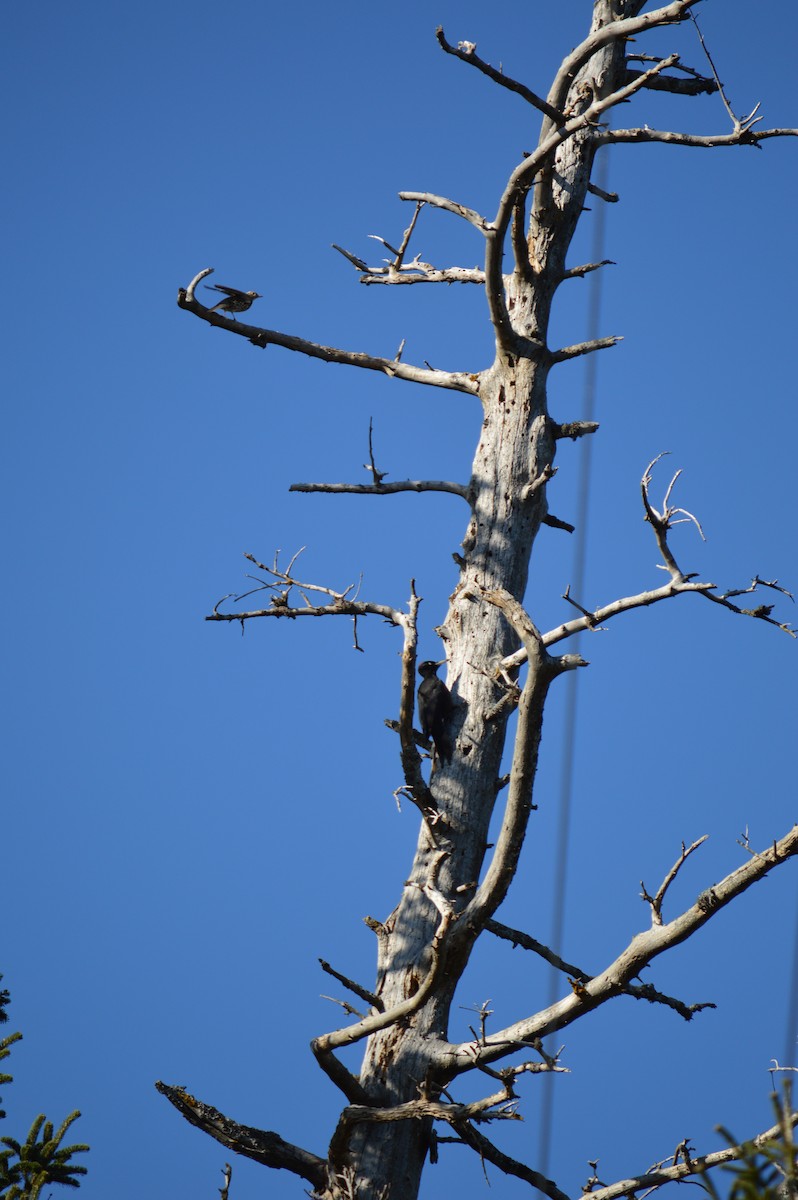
[(27, 1167)]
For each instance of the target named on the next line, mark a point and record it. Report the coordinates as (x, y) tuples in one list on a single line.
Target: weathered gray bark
[(383, 1137), (516, 449)]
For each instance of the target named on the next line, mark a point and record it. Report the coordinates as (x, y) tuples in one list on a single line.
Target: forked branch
[(283, 584), (741, 124), (678, 584), (662, 522), (616, 979), (396, 270), (656, 901)]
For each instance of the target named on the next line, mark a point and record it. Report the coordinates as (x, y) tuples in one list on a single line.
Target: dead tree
[(499, 662)]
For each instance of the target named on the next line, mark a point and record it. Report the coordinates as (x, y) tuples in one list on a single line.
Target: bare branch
[(549, 1066), (740, 124), (337, 1073), (415, 787), (399, 254), (259, 1144), (355, 261), (376, 238), (498, 1107), (529, 943), (520, 245), (281, 585), (542, 670), (358, 990), (509, 1166), (460, 210), (696, 85), (416, 272), (324, 1045), (385, 489), (195, 282), (556, 523), (376, 475), (601, 615), (691, 1165), (578, 977), (645, 991), (754, 584), (580, 348), (455, 381), (574, 429), (661, 522), (398, 261), (580, 272), (469, 55), (616, 979), (743, 137), (762, 611), (656, 901), (607, 197), (344, 608), (348, 1008)]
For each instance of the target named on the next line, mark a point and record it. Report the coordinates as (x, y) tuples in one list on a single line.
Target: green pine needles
[(763, 1172), (40, 1160), (27, 1167)]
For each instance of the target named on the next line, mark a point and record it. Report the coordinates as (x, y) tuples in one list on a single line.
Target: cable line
[(569, 731)]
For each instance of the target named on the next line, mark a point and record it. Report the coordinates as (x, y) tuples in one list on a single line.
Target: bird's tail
[(444, 747)]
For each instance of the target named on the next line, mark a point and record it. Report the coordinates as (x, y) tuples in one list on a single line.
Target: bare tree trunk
[(513, 460)]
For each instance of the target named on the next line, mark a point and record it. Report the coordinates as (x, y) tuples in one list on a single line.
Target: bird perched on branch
[(234, 300), (435, 708)]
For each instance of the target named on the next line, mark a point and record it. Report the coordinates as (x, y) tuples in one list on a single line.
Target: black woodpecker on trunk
[(435, 709)]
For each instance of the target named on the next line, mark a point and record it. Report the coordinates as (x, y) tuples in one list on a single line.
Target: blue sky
[(192, 818)]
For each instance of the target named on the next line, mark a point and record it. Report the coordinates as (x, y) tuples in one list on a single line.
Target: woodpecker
[(435, 708), (234, 301)]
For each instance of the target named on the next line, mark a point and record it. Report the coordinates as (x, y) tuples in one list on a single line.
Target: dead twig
[(656, 901)]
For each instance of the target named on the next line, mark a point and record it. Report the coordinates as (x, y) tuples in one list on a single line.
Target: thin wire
[(577, 588), (790, 1058)]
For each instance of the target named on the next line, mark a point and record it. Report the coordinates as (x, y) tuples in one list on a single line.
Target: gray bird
[(435, 708), (234, 300)]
